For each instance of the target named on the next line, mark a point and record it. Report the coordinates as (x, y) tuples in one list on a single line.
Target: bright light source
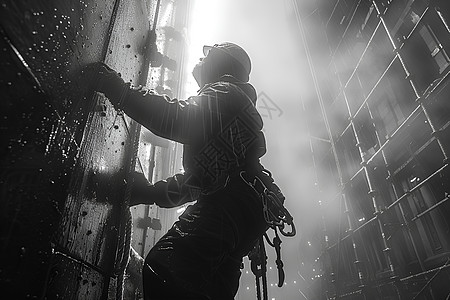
[(202, 29)]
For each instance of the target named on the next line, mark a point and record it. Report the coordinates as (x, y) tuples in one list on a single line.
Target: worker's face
[(204, 71), (199, 71)]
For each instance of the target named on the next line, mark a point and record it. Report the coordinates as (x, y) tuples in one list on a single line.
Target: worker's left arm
[(171, 192)]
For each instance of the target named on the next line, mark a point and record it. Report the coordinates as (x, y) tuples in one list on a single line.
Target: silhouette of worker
[(201, 255)]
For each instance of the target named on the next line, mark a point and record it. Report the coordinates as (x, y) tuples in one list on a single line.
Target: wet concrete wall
[(66, 153)]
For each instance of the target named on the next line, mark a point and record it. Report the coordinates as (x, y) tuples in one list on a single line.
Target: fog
[(269, 32), (68, 152)]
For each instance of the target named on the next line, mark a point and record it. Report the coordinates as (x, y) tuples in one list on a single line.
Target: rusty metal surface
[(68, 152), (33, 177), (87, 284), (56, 39)]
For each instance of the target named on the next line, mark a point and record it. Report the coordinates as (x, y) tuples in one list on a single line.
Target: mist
[(268, 31)]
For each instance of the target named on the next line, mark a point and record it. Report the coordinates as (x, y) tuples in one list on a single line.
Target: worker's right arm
[(178, 120)]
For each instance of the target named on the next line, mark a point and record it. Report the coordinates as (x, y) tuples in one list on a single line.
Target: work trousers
[(201, 255)]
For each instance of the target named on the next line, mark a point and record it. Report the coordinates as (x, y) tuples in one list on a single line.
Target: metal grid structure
[(380, 71)]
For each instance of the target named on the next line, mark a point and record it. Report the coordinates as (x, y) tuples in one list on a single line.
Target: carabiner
[(291, 233)]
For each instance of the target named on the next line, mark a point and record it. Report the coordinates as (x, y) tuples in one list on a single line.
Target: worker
[(200, 257)]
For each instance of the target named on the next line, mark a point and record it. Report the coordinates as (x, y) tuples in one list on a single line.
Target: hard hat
[(235, 52)]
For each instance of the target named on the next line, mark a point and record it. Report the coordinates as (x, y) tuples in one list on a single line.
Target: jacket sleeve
[(183, 121), (171, 192)]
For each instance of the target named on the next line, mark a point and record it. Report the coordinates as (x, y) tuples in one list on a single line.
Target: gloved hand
[(102, 78)]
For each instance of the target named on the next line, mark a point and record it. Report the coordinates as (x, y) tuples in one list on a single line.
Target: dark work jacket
[(220, 128)]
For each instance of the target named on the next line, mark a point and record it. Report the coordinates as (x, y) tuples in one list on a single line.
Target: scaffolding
[(381, 95)]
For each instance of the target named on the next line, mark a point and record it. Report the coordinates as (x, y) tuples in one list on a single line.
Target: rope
[(276, 217), (275, 214), (258, 266), (258, 288), (263, 256)]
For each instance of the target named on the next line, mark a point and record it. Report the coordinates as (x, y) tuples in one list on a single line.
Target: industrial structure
[(379, 127), (378, 123), (67, 154)]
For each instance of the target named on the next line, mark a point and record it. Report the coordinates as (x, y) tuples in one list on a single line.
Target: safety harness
[(276, 217)]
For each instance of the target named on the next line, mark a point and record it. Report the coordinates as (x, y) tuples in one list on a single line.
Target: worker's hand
[(101, 78)]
